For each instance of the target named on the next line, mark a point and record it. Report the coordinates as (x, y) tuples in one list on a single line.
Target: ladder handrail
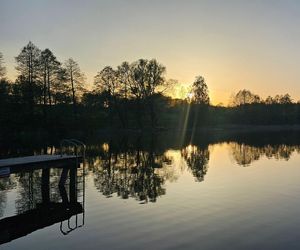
[(81, 144), (78, 142), (74, 142)]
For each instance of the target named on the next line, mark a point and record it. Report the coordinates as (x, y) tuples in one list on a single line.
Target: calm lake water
[(162, 192)]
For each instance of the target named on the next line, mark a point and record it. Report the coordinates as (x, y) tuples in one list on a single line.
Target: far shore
[(220, 131), (215, 128)]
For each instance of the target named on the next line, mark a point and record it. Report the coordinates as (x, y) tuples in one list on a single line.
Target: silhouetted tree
[(124, 76), (106, 82), (50, 69), (269, 100), (285, 99), (5, 91), (75, 78), (245, 97), (28, 66), (147, 76), (200, 91), (61, 91), (279, 99), (2, 67)]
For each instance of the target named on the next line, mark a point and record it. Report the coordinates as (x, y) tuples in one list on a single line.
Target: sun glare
[(190, 95)]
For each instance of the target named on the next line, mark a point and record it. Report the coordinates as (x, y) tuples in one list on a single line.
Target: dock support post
[(73, 184)]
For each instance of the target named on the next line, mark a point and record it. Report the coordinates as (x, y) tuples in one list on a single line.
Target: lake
[(166, 191)]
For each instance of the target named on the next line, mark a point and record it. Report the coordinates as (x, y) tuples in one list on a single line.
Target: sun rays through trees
[(47, 95)]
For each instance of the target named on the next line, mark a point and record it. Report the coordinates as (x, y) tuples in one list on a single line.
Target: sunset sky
[(233, 44)]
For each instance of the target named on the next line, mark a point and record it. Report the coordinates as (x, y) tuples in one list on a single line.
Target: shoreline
[(219, 128)]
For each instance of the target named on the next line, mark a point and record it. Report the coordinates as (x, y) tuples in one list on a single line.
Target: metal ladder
[(69, 143), (77, 146)]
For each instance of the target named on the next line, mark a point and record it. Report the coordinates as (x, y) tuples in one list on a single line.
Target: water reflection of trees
[(197, 160), (131, 173), (140, 172), (29, 192), (6, 184), (245, 154)]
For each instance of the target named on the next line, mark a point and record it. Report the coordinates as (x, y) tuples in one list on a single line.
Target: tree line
[(48, 94), (43, 80), (244, 97)]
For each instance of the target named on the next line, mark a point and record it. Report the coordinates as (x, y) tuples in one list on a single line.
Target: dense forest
[(51, 97)]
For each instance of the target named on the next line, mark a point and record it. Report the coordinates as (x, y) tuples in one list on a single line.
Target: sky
[(234, 44)]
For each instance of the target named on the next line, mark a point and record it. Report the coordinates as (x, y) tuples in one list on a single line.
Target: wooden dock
[(35, 159), (12, 165)]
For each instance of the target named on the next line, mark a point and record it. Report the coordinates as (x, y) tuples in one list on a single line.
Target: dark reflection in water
[(130, 171), (244, 154), (129, 167), (6, 184), (44, 196), (43, 186), (140, 170), (197, 160), (138, 167)]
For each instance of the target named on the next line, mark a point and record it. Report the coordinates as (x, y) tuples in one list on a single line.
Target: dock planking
[(37, 160)]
